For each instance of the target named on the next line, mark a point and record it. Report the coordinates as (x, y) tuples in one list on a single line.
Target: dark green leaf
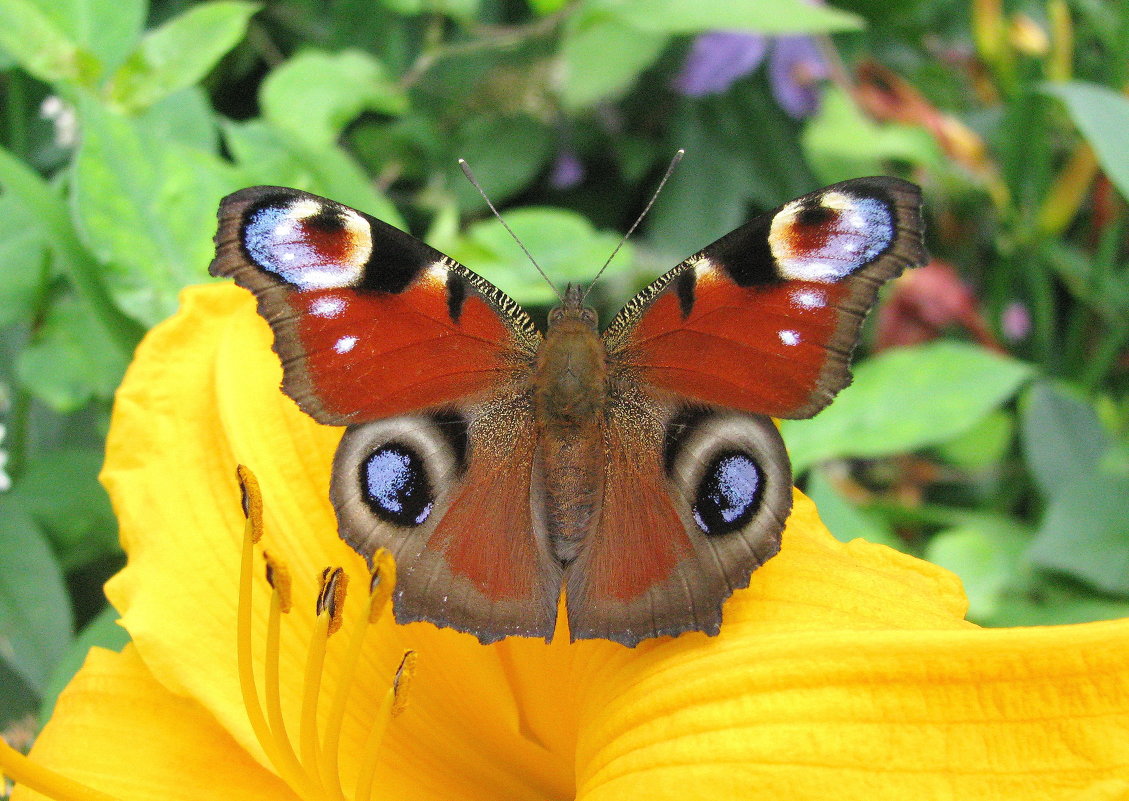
[(982, 446), (1062, 437), (35, 613), (70, 360), (1085, 531), (840, 142), (180, 52), (505, 152), (906, 399), (50, 212), (60, 490), (314, 95)]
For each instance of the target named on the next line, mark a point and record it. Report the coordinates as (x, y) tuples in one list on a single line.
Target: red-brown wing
[(695, 499), (765, 319), (448, 493), (369, 322)]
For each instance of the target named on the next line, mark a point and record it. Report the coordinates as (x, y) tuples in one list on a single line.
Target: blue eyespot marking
[(394, 484), (729, 494)]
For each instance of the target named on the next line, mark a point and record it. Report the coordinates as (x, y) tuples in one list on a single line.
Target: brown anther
[(251, 499), (404, 674), (278, 576), (331, 597)]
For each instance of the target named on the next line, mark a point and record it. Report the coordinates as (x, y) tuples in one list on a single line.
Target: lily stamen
[(380, 593), (270, 740), (392, 704), (330, 607), (312, 769)]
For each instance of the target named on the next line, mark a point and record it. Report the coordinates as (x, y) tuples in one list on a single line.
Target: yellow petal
[(118, 730), (844, 669), (1040, 713)]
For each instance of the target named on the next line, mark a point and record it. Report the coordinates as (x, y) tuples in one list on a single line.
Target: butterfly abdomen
[(570, 392)]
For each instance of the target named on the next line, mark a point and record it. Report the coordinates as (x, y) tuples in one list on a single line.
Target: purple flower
[(795, 70), (1015, 322), (719, 58), (567, 171)]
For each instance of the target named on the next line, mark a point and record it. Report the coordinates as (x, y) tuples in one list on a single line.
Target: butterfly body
[(637, 470)]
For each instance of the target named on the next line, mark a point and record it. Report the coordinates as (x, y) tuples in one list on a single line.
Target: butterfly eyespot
[(395, 486), (729, 494), (310, 244)]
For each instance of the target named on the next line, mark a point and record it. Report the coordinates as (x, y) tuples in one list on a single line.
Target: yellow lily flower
[(844, 671)]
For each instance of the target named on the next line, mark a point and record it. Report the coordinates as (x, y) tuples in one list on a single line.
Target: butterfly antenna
[(470, 177), (673, 163)]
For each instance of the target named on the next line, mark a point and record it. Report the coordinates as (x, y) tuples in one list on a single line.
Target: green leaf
[(315, 94), (905, 399), (60, 490), (1102, 115), (17, 698), (50, 212), (1062, 437), (840, 142), (70, 360), (986, 554), (146, 207), (625, 51), (103, 631), (267, 155), (186, 117), (107, 30), (730, 164), (42, 46), (982, 446), (180, 52), (1085, 531), (23, 254), (465, 9), (564, 243), (845, 520), (764, 16), (35, 613), (506, 151)]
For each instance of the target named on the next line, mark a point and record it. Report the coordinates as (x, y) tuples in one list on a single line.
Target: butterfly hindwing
[(368, 321), (765, 319), (694, 501)]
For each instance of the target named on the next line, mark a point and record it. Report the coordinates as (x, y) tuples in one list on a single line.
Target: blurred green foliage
[(988, 435)]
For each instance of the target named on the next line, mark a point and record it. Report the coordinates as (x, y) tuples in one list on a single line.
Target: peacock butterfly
[(637, 469)]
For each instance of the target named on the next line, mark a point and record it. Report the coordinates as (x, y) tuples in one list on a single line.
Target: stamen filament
[(273, 698), (24, 771), (330, 607), (390, 706), (380, 590), (330, 748)]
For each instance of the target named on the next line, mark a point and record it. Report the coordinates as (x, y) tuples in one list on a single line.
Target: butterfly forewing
[(765, 319)]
